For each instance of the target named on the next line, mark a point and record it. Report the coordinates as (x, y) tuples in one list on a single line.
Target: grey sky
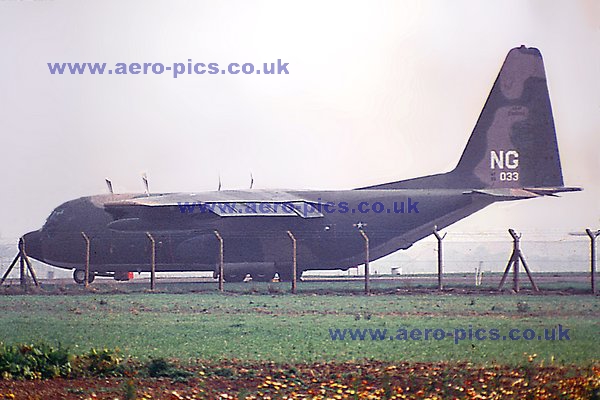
[(377, 91)]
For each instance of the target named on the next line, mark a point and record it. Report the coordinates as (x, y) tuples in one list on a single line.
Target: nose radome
[(33, 245)]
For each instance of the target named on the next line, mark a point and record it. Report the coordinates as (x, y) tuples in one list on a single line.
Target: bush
[(42, 361), (34, 361), (224, 372), (159, 367), (100, 362)]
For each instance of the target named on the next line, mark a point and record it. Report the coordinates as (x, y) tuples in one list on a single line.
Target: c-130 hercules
[(512, 154)]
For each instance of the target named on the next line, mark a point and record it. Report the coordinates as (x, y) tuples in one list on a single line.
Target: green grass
[(572, 283), (286, 328)]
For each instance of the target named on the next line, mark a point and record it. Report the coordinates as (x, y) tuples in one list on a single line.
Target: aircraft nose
[(33, 245)]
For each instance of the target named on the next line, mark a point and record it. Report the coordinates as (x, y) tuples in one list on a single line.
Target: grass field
[(287, 328), (566, 282)]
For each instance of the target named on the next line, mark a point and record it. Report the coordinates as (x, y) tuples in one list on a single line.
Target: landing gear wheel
[(79, 276)]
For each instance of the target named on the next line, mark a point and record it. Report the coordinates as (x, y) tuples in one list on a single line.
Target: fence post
[(152, 261), (364, 235), (440, 257), (593, 236), (86, 279), (220, 238), (294, 260)]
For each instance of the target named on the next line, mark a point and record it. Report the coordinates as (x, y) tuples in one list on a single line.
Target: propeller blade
[(145, 180), (109, 184)]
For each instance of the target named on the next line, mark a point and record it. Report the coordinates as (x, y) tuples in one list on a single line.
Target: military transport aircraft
[(512, 154)]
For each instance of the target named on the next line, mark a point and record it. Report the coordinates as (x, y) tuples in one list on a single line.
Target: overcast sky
[(376, 92)]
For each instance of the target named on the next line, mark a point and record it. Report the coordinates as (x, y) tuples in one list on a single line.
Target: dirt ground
[(365, 380)]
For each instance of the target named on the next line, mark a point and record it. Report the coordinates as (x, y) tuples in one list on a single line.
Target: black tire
[(79, 276)]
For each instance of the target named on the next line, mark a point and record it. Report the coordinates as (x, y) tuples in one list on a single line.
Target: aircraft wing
[(141, 212), (224, 196)]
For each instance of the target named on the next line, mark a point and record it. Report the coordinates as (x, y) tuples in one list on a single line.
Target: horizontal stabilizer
[(506, 193), (526, 193), (552, 191)]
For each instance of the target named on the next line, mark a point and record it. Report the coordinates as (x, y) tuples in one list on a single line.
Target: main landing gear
[(79, 276)]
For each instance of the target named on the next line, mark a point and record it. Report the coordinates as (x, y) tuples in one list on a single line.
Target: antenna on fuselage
[(219, 187), (145, 180), (109, 184), (251, 180)]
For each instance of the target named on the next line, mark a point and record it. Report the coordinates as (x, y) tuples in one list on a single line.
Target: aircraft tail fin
[(513, 144)]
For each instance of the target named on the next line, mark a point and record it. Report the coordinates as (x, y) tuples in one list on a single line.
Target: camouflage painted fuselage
[(512, 154)]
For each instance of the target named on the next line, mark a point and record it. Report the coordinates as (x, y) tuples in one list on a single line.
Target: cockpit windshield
[(54, 218)]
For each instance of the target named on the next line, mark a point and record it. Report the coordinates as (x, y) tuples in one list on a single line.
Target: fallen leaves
[(350, 380)]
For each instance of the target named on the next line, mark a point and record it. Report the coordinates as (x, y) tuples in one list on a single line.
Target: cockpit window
[(54, 218)]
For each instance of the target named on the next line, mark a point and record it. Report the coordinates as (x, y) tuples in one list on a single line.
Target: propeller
[(145, 180), (109, 184)]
